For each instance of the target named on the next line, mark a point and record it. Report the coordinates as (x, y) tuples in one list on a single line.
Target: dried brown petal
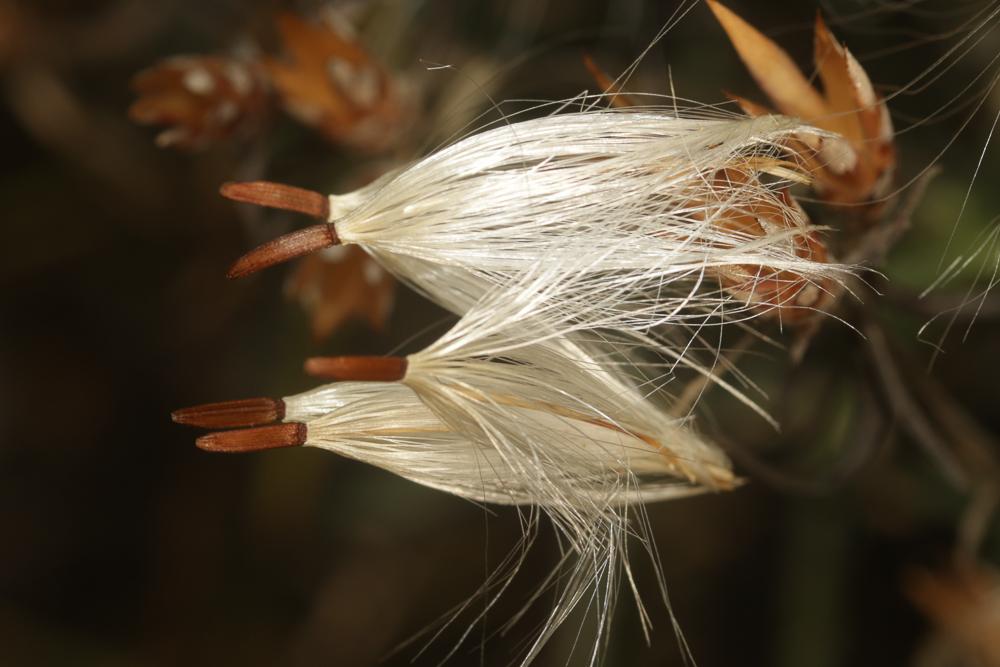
[(771, 67), (608, 87)]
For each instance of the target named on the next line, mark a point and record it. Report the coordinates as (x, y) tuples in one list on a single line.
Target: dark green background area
[(122, 544)]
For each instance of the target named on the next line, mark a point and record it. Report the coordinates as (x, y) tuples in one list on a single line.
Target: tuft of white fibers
[(648, 195), (387, 425), (524, 405)]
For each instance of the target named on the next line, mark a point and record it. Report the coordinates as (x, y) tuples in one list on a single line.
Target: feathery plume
[(675, 198)]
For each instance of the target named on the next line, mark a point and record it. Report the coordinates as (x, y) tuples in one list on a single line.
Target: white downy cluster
[(519, 404), (633, 189), (567, 244)]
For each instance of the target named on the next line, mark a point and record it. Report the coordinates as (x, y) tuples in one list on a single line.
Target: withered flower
[(339, 284), (855, 169), (200, 99), (331, 83)]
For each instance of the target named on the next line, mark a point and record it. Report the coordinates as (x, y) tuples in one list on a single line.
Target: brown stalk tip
[(284, 248), (292, 434), (229, 414), (374, 369), (276, 195)]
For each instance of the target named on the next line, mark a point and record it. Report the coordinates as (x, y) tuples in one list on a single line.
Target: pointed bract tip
[(278, 195), (293, 434), (372, 369), (232, 414), (284, 248)]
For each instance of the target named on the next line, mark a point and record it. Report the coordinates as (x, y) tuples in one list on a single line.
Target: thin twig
[(908, 409)]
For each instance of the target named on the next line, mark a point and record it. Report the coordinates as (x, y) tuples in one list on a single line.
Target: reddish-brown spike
[(292, 434), (284, 248), (230, 414), (276, 195), (375, 369)]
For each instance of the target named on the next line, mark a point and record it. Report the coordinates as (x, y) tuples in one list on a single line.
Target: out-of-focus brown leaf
[(965, 604), (854, 169), (201, 99), (332, 84), (339, 284)]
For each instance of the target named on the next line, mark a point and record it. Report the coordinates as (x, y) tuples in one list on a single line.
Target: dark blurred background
[(865, 536)]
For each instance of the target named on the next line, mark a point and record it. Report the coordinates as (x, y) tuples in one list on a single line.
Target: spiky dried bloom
[(856, 163), (200, 99), (330, 82)]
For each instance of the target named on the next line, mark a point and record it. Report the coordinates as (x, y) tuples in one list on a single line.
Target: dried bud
[(200, 99)]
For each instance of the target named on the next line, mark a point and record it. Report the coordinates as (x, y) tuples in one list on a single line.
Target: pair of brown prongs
[(259, 421)]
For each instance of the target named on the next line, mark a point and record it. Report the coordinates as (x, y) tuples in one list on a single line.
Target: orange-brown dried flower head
[(200, 99), (782, 293), (331, 83), (856, 166), (339, 284)]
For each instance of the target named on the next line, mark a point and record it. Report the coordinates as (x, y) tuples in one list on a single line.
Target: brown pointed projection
[(329, 82), (856, 169)]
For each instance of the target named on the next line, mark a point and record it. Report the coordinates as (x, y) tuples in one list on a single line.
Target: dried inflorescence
[(786, 294), (200, 99), (854, 164), (330, 82), (327, 80)]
